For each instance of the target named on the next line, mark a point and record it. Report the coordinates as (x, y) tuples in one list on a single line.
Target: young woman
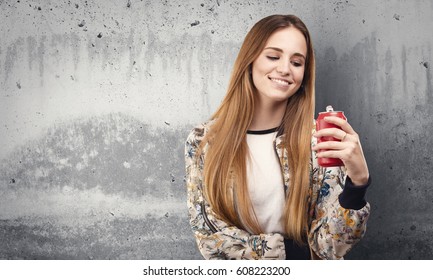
[(255, 190)]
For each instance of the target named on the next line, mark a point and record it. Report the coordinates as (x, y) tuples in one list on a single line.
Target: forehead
[(288, 39)]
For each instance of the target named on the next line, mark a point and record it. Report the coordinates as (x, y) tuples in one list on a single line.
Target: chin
[(285, 96), (276, 95)]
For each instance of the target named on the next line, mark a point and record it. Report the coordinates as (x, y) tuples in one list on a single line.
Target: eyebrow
[(280, 50)]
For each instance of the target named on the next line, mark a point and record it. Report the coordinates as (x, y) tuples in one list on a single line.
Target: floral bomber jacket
[(333, 229)]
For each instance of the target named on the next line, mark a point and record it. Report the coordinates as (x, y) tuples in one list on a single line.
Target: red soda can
[(321, 124)]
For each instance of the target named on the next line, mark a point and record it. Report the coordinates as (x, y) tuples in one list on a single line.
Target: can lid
[(329, 108)]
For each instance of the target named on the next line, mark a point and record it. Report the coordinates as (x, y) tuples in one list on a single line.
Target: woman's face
[(279, 69)]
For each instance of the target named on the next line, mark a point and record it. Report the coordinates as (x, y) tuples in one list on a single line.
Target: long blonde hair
[(225, 167)]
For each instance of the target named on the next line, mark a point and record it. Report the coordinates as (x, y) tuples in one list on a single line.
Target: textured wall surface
[(97, 97)]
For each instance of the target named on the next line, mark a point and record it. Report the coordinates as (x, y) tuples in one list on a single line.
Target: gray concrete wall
[(97, 97)]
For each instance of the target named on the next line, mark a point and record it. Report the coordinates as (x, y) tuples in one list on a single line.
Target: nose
[(283, 67)]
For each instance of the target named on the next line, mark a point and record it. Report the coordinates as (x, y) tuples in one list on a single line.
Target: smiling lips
[(279, 81)]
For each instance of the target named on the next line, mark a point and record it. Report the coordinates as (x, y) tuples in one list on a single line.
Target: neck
[(267, 115)]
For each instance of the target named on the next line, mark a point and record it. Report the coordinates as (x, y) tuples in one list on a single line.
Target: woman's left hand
[(349, 150)]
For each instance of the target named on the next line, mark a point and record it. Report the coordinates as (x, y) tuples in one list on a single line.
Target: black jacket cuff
[(296, 252), (353, 197)]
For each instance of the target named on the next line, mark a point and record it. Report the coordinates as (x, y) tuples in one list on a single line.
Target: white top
[(265, 181)]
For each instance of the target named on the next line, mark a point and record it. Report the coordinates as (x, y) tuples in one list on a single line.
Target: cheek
[(260, 67), (256, 75), (299, 75)]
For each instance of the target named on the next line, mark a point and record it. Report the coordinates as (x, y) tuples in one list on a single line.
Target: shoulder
[(197, 134), (194, 140)]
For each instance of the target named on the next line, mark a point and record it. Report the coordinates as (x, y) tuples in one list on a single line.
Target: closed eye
[(272, 57), (297, 63)]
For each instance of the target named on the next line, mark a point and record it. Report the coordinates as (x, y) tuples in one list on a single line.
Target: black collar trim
[(260, 132)]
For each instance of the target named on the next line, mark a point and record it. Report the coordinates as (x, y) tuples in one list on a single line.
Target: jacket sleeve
[(339, 212), (215, 238)]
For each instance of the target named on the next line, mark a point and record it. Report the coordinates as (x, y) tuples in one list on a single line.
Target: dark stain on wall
[(388, 102), (108, 187), (11, 57)]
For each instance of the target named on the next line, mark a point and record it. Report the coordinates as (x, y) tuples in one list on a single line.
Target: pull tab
[(329, 108)]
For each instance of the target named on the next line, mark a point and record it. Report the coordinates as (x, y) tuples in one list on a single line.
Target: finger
[(333, 132), (330, 154), (329, 145), (341, 123)]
